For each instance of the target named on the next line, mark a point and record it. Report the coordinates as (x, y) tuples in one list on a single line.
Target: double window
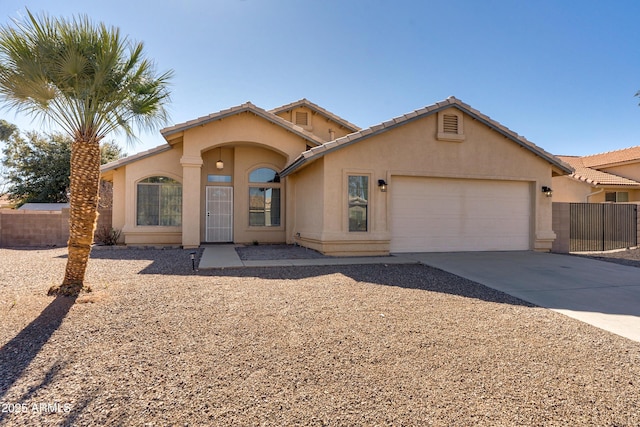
[(616, 196), (358, 202), (159, 202), (264, 198)]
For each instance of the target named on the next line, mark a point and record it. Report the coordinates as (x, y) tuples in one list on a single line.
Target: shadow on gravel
[(177, 262), (407, 276), (17, 354)]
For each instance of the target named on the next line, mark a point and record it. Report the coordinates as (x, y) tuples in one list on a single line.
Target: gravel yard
[(156, 344)]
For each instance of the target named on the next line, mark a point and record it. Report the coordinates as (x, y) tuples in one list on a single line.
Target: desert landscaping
[(158, 344)]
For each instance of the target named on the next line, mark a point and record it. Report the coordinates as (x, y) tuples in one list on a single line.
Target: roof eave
[(560, 166), (167, 133), (133, 158)]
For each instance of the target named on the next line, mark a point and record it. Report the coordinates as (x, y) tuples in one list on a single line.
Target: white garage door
[(441, 215)]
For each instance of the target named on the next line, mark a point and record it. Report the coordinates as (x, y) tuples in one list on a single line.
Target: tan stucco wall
[(305, 217), (239, 162), (413, 150), (566, 189), (630, 171), (125, 180), (246, 141)]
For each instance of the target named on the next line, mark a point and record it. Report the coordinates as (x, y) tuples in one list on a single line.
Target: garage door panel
[(437, 214)]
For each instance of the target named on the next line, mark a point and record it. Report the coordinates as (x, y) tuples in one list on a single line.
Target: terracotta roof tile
[(594, 176), (449, 102), (246, 107), (328, 114), (612, 157)]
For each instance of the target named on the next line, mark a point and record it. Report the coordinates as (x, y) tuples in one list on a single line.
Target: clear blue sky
[(562, 73)]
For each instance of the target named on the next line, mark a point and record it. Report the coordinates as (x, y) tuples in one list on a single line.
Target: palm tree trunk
[(84, 187)]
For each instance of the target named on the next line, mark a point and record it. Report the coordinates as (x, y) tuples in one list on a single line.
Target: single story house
[(442, 178), (613, 176)]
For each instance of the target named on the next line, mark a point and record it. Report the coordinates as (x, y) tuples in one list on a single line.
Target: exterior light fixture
[(220, 163), (192, 255), (382, 185), (547, 191)]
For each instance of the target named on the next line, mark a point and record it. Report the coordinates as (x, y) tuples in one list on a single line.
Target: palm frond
[(85, 77)]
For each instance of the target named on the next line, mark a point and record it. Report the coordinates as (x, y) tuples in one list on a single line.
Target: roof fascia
[(391, 124), (318, 109), (134, 158), (168, 132)]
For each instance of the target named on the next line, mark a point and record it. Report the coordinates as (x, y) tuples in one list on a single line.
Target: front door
[(219, 211)]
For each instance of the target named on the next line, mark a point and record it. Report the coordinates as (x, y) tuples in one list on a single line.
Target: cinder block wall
[(560, 224), (39, 228)]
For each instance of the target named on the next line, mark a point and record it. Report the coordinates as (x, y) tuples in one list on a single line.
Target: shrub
[(107, 236)]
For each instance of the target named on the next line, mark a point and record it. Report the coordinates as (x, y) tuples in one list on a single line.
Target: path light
[(383, 185), (193, 260), (547, 191)]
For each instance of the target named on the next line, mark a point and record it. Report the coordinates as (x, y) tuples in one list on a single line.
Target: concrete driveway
[(600, 293)]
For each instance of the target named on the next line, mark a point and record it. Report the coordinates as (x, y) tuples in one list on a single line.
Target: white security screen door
[(219, 212)]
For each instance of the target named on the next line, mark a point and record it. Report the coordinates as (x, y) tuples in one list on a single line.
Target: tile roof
[(594, 176), (134, 157), (328, 114), (246, 107), (613, 157), (316, 152)]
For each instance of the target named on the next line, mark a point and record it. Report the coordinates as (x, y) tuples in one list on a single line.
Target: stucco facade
[(316, 157), (608, 177)]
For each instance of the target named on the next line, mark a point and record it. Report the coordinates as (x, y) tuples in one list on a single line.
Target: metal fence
[(603, 226)]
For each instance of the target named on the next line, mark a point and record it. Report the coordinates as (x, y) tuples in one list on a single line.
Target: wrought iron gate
[(602, 226)]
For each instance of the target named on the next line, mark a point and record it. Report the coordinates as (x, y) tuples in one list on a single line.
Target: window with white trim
[(159, 202)]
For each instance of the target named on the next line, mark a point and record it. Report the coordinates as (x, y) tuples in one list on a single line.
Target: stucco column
[(191, 166)]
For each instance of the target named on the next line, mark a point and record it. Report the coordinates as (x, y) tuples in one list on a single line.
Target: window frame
[(173, 182), (264, 187), (367, 206), (616, 195)]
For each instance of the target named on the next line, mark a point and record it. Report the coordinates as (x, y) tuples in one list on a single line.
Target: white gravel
[(156, 344)]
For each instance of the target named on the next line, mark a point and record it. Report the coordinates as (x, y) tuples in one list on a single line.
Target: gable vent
[(302, 118), (450, 123)]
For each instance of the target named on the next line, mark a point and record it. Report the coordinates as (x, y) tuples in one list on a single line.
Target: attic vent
[(450, 124), (302, 118)]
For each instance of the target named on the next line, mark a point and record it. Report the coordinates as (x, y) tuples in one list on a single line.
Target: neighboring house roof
[(594, 176), (43, 206), (626, 155), (328, 114), (135, 157), (170, 132), (317, 152)]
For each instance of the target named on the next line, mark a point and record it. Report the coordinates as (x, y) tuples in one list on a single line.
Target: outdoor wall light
[(547, 191), (220, 163), (383, 185)]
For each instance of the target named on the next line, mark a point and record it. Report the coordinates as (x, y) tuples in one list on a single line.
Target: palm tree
[(90, 81)]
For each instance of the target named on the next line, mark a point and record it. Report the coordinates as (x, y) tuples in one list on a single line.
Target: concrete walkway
[(223, 256), (603, 294)]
